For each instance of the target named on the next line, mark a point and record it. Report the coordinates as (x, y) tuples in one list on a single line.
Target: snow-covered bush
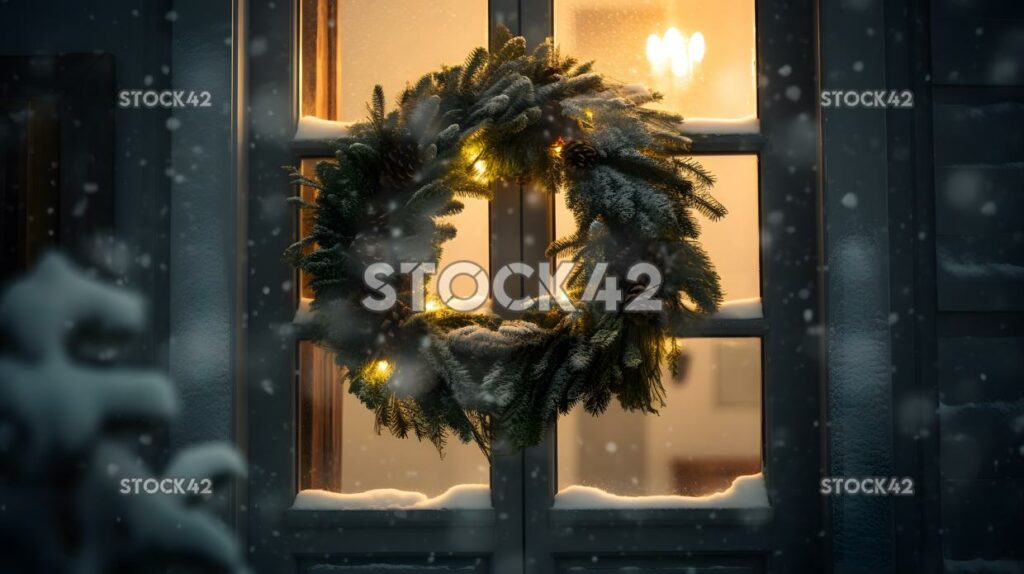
[(68, 502)]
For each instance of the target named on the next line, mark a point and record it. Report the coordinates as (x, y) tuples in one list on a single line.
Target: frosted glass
[(339, 450), (348, 46), (708, 434), (705, 67), (733, 242)]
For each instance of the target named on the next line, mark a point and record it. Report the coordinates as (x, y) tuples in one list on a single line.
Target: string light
[(556, 148), (480, 170)]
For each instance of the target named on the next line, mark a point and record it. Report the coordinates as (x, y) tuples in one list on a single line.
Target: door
[(723, 480)]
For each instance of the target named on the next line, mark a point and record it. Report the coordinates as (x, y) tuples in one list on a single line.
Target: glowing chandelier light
[(675, 52)]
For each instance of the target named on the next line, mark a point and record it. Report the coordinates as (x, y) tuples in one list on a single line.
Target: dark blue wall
[(138, 35)]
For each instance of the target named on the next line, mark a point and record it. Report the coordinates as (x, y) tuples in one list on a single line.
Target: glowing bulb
[(696, 47), (675, 48), (432, 306), (383, 367), (590, 114), (556, 148), (656, 51), (480, 169)]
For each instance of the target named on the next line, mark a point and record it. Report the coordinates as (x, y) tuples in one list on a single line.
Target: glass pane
[(708, 434), (470, 243), (348, 46), (340, 452), (700, 55), (338, 448), (732, 242)]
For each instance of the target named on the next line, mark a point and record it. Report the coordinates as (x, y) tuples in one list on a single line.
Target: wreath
[(539, 117)]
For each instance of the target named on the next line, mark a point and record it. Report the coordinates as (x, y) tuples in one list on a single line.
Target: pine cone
[(400, 161), (580, 154)]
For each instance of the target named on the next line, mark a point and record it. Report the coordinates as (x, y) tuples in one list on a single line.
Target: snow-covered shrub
[(65, 505)]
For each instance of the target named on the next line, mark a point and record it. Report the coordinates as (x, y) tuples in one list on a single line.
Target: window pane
[(732, 242), (469, 244), (658, 43), (339, 450), (348, 46), (708, 434)]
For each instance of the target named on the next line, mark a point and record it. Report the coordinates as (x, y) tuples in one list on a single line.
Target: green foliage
[(498, 383)]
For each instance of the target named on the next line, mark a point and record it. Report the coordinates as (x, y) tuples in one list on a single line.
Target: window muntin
[(718, 81)]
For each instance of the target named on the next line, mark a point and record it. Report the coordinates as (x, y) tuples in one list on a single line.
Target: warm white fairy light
[(480, 169)]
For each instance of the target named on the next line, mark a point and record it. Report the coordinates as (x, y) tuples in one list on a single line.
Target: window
[(343, 55), (349, 46), (708, 434), (702, 60), (710, 431), (755, 373), (700, 56)]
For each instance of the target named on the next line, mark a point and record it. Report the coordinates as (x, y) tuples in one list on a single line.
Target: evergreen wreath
[(538, 117)]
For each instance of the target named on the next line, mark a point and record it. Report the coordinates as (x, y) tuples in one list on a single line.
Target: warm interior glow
[(679, 52), (340, 451), (697, 48), (708, 434), (733, 242), (702, 59), (348, 46)]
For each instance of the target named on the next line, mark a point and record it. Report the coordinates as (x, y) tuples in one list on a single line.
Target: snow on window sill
[(458, 497), (745, 492), (718, 126), (740, 309), (315, 129), (304, 314)]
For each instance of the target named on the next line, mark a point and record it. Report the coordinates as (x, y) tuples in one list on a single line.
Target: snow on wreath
[(507, 115)]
